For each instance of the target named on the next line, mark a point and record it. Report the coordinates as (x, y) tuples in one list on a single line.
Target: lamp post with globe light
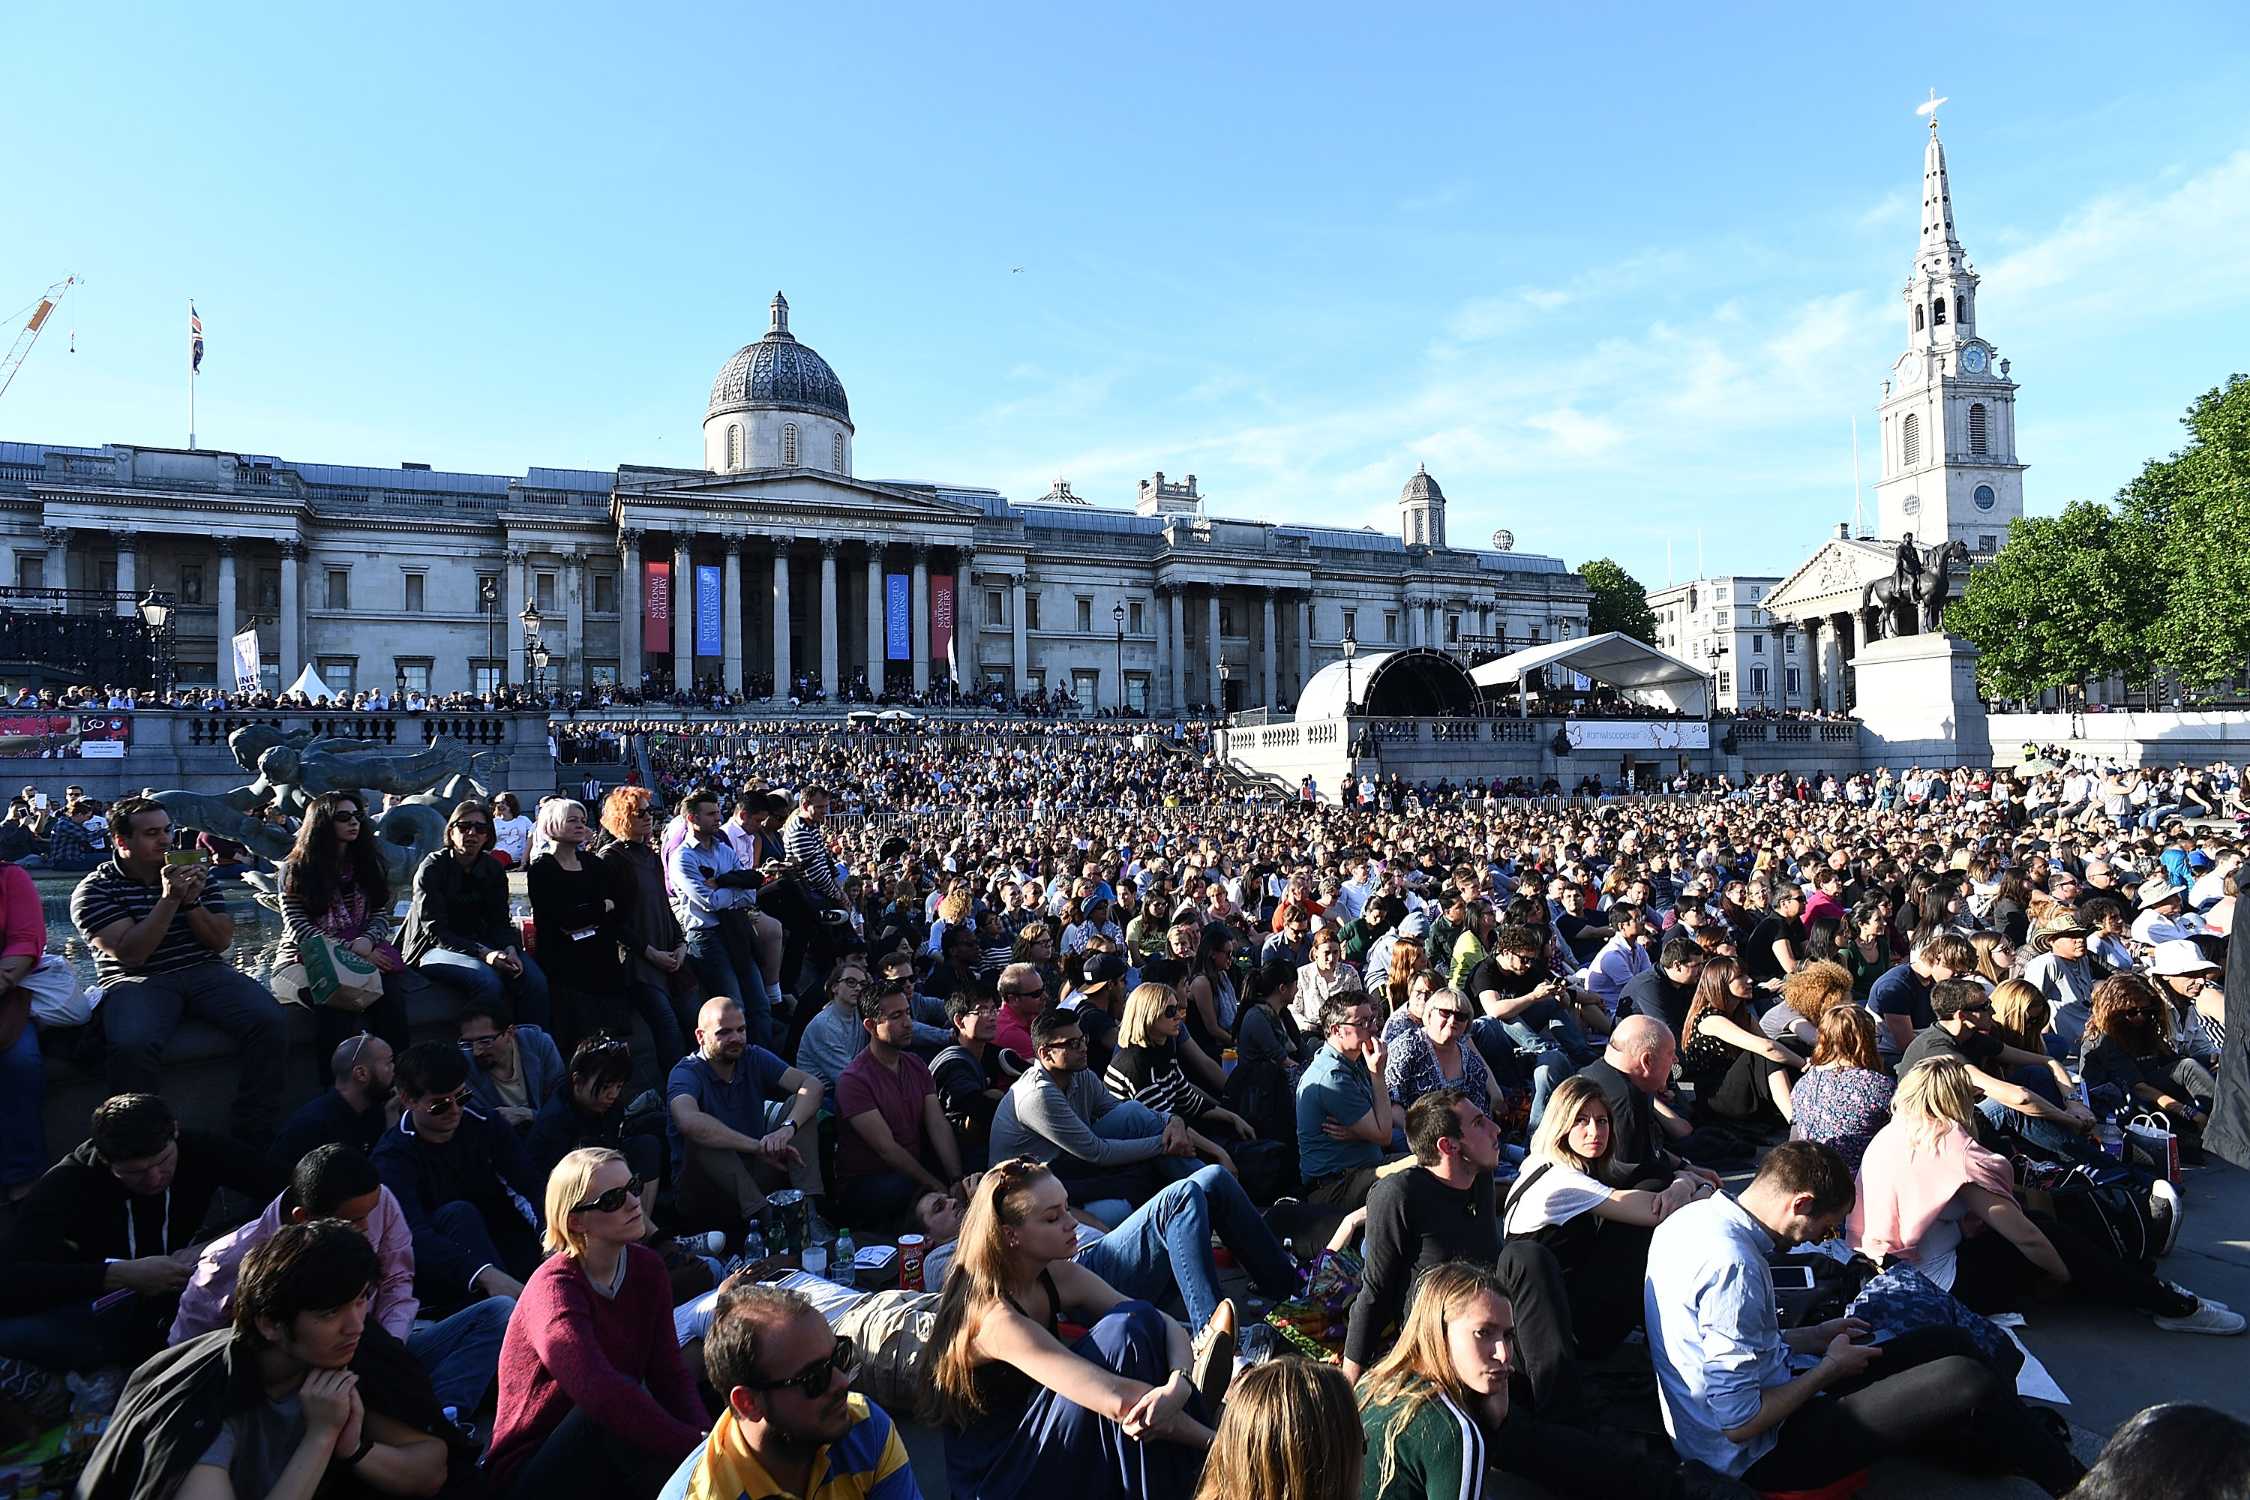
[(533, 651), (1117, 613), (1351, 649)]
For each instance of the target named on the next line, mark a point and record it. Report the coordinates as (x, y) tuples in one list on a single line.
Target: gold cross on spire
[(1930, 107)]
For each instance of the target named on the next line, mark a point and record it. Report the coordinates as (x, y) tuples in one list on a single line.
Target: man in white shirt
[(1801, 1409), (2164, 916), (1623, 958)]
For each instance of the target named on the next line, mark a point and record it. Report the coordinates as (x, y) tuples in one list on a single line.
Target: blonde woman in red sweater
[(593, 1398)]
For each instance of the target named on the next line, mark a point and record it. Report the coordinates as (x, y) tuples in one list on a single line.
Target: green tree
[(2068, 599), (1619, 602), (2197, 504)]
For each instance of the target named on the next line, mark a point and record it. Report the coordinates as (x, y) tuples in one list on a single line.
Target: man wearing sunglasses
[(792, 1426), (464, 1183), (2017, 1091)]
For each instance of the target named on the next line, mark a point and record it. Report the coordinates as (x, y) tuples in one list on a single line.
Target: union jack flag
[(195, 341)]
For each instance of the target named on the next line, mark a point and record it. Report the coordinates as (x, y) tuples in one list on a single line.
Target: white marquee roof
[(1634, 667)]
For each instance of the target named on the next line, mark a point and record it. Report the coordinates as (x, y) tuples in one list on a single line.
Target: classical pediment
[(811, 496), (1830, 580)]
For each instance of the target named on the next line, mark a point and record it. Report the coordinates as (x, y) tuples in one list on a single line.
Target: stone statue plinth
[(1917, 698)]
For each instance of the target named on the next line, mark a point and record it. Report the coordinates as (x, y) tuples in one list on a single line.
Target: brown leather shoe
[(1213, 1367)]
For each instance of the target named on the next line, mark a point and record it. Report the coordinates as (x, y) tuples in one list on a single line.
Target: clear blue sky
[(1616, 277)]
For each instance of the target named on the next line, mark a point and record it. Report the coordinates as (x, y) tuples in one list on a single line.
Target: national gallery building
[(773, 567)]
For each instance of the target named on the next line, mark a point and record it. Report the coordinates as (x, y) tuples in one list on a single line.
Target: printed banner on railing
[(710, 611), (656, 618), (941, 618), (246, 657), (1645, 734), (898, 625), (65, 736)]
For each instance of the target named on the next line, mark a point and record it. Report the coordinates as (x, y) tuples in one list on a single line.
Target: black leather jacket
[(457, 906)]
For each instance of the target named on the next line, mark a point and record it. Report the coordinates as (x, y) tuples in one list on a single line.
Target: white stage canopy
[(1635, 668), (308, 682)]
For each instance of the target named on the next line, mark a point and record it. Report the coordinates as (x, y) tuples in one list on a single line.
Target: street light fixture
[(1351, 649), (1117, 613), (1226, 672), (155, 609), (533, 652)]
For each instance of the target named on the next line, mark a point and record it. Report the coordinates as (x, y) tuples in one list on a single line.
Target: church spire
[(1940, 246)]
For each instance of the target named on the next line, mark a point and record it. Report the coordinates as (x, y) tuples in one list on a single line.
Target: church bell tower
[(1948, 414)]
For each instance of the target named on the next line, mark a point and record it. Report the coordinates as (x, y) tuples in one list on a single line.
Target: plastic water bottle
[(753, 1246), (843, 1259), (2111, 1137)]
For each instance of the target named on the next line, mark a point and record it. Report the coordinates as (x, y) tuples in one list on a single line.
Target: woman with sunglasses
[(333, 886), (1111, 1416), (593, 1398), (1156, 1065), (1437, 1055), (588, 1110), (583, 932), (1930, 1195), (457, 932), (2130, 1050)]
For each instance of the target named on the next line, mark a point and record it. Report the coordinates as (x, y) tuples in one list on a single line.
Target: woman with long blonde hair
[(1110, 1417), (1930, 1195), (1291, 1432)]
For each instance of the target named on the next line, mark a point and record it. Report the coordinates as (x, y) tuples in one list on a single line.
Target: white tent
[(308, 682), (1635, 668)]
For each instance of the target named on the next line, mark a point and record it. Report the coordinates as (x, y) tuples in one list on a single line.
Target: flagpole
[(191, 374)]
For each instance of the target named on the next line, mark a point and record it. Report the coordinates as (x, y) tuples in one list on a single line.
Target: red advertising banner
[(656, 628), (941, 618), (65, 736)]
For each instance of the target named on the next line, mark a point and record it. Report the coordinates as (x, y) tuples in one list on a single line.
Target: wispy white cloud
[(2170, 245), (1892, 208)]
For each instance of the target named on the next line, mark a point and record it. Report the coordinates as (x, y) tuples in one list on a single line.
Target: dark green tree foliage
[(2156, 582), (1619, 603)]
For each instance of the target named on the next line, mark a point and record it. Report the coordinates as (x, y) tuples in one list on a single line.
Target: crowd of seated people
[(1123, 1073)]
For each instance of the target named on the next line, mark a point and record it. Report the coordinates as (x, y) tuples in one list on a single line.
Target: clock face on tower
[(1973, 360), (1912, 505)]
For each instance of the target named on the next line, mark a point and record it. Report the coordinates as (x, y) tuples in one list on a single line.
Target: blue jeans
[(1169, 1240), (1548, 1025), (466, 974), (1109, 1193), (715, 976), (23, 1089), (1508, 1053), (2049, 1135), (462, 1353), (139, 1014)]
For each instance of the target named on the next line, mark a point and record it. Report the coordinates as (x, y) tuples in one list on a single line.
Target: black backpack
[(2110, 1205)]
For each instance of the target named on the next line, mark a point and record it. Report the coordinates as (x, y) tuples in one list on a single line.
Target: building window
[(734, 445), (789, 444), (31, 572), (1790, 645), (269, 590), (1977, 437), (993, 614), (1719, 594), (1917, 317), (1134, 620), (1987, 542), (1721, 617), (1452, 630), (836, 452), (605, 593), (1226, 619), (341, 673), (415, 585), (1792, 677), (1758, 680), (1911, 437), (543, 589), (1136, 692), (1085, 615), (1757, 645), (191, 583), (486, 676), (1351, 623), (1390, 625), (1086, 687), (1726, 682), (602, 674), (339, 588), (416, 671), (1031, 611), (1962, 308), (1937, 313)]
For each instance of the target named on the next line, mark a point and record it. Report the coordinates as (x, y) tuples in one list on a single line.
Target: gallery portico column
[(1176, 605), (1271, 652), (683, 612), (830, 608), (227, 625), (632, 600), (128, 555), (512, 602), (574, 619), (878, 638), (1304, 647), (292, 612), (1215, 646), (783, 672), (918, 608), (730, 628), (56, 574), (1813, 683), (1019, 663)]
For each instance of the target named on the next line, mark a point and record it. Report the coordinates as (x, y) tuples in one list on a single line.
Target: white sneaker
[(2167, 1196), (2198, 1296), (2208, 1317)]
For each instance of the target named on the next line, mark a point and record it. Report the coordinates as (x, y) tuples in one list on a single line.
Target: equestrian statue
[(1912, 600)]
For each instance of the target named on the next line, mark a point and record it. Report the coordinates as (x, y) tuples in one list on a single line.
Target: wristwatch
[(366, 1446)]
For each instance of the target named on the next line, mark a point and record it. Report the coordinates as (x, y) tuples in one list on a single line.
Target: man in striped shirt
[(160, 936), (807, 847)]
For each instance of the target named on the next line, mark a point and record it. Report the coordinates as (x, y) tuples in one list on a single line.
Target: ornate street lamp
[(532, 620), (1351, 649), (1117, 613), (1226, 672)]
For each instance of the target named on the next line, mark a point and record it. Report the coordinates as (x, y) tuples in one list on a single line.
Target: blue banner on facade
[(898, 625), (710, 612)]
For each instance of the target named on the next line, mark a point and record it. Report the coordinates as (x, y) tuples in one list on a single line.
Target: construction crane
[(39, 312)]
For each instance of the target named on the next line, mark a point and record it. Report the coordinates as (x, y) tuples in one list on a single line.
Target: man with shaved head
[(354, 1113), (1632, 1071), (734, 1113)]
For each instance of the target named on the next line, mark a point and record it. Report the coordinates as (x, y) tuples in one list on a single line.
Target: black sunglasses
[(445, 1104), (473, 827), (345, 815), (812, 1382), (613, 1200), (1173, 1012)]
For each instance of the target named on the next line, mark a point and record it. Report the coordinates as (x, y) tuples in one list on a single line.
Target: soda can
[(911, 1250)]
